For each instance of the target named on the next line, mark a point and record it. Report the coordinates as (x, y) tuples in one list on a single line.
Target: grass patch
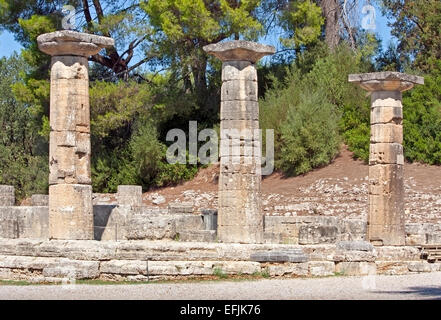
[(17, 283), (218, 272)]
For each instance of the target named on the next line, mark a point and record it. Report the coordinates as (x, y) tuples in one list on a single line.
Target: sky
[(8, 45)]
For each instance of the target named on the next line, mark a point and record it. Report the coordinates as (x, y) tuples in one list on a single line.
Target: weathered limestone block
[(197, 235), (316, 234), (321, 268), (24, 222), (354, 251), (239, 70), (40, 200), (288, 255), (352, 230), (7, 196), (241, 90), (386, 179), (387, 133), (423, 266), (386, 153), (354, 256), (387, 114), (67, 43), (392, 267), (386, 219), (154, 227), (355, 246), (178, 268), (241, 125), (287, 229), (421, 233), (129, 196), (434, 238), (70, 212), (239, 110), (356, 268), (189, 222), (288, 269), (53, 267), (241, 234), (180, 208), (391, 253)]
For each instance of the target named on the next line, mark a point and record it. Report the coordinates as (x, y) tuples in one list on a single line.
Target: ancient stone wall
[(58, 260), (179, 222)]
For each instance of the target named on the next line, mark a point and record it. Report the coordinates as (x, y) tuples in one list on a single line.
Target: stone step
[(199, 236)]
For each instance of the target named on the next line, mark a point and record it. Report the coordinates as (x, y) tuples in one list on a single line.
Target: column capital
[(385, 81), (72, 43), (239, 50)]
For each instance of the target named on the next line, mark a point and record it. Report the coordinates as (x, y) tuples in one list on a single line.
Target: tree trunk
[(331, 12), (199, 69)]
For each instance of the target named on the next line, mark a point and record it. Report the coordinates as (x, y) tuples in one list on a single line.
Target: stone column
[(240, 218), (386, 157), (70, 190)]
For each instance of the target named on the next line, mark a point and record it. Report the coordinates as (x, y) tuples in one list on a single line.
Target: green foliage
[(304, 21), (422, 121), (314, 109), (127, 148), (23, 154), (310, 137), (150, 162), (206, 20), (416, 25), (218, 272)]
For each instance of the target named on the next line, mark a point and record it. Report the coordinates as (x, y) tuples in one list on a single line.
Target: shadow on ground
[(431, 292)]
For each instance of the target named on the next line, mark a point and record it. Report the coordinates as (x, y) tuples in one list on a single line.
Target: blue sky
[(8, 45)]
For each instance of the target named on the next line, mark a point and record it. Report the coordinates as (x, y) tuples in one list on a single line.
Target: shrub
[(309, 135), (422, 121)]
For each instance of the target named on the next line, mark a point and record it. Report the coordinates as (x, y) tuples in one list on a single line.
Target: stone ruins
[(386, 157), (73, 234), (70, 190), (240, 217)]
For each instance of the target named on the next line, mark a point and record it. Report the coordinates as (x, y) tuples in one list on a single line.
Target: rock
[(286, 269), (389, 253), (151, 227), (129, 196), (355, 246), (7, 196), (40, 200), (321, 268), (423, 266), (392, 267), (356, 268), (317, 234), (288, 255), (198, 235), (158, 199), (177, 207)]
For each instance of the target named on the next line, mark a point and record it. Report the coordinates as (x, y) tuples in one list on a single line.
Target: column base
[(70, 212), (240, 234), (380, 235)]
